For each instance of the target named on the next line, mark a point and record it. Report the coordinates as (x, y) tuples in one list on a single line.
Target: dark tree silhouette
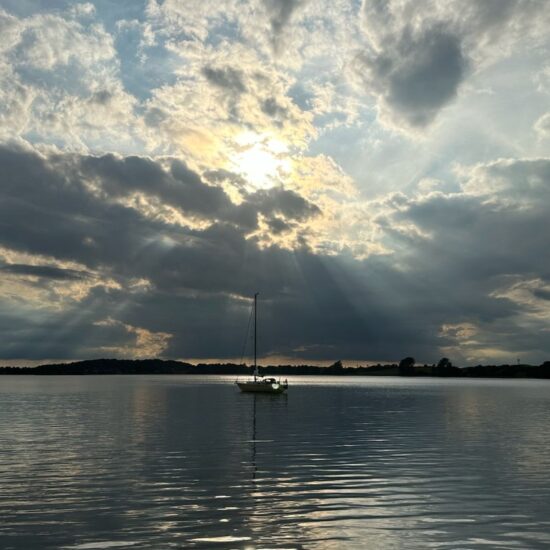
[(406, 366), (337, 366), (445, 368)]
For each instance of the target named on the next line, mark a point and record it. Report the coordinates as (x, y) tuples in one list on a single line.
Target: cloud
[(542, 126), (59, 80), (227, 78), (47, 271), (176, 185), (511, 182), (68, 208), (81, 208), (451, 260), (480, 253), (192, 19), (142, 342), (47, 41), (270, 107), (415, 76), (189, 276), (283, 202), (419, 53), (182, 77), (291, 33), (280, 14), (224, 94)]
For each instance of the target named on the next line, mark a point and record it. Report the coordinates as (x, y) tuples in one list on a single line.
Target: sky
[(379, 171)]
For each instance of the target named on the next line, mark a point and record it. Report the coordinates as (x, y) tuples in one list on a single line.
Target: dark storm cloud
[(415, 74), (313, 306), (542, 294), (47, 207), (46, 271), (66, 334), (178, 186), (426, 80), (305, 302), (485, 241), (474, 251)]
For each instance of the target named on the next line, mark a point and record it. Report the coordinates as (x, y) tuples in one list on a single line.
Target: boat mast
[(255, 333)]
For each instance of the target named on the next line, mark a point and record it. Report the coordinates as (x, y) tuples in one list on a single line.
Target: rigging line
[(246, 335)]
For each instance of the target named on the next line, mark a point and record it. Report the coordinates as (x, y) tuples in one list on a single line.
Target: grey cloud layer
[(417, 74), (65, 207), (420, 52), (47, 189), (46, 271)]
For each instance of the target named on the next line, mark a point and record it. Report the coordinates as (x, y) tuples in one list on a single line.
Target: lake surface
[(189, 462)]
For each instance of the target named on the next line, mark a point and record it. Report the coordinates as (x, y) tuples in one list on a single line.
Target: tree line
[(406, 367)]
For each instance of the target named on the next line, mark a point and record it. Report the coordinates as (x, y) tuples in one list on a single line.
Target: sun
[(262, 160)]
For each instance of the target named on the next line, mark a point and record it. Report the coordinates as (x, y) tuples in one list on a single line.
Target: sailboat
[(259, 384)]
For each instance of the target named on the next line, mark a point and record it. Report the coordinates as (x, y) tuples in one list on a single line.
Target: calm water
[(179, 462)]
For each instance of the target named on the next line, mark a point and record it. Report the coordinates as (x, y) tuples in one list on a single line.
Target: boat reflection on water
[(254, 435)]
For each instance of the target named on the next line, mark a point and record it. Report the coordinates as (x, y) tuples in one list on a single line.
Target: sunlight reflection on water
[(167, 461)]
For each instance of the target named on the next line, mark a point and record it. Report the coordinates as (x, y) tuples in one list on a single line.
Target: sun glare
[(263, 161)]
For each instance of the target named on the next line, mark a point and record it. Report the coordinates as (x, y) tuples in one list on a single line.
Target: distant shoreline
[(158, 366)]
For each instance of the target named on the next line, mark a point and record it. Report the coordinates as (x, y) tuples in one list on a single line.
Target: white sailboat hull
[(261, 387)]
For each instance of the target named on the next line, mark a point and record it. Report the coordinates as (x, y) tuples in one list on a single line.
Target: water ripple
[(168, 462)]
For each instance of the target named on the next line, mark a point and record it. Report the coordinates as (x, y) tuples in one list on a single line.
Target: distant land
[(405, 368)]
